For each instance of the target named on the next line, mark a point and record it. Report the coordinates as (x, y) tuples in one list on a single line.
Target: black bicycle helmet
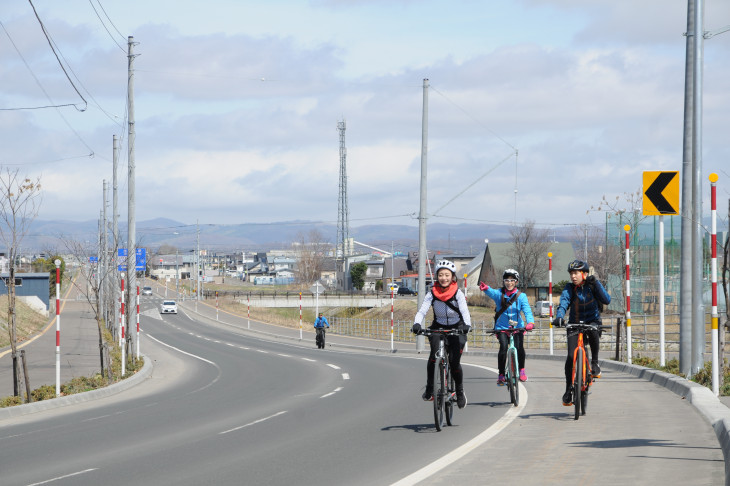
[(578, 265), (511, 272)]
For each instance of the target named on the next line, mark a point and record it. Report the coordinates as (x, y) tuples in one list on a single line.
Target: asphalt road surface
[(225, 407)]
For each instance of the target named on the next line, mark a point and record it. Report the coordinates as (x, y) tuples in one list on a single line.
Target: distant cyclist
[(319, 325), (511, 303), (450, 312), (584, 295)]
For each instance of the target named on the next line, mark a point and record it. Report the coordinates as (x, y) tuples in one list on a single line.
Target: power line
[(104, 25), (50, 43)]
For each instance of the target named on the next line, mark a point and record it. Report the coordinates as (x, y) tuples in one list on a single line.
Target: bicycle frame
[(582, 374), (444, 393), (512, 364)]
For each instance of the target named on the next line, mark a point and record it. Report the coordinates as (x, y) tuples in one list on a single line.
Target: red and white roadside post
[(466, 344), (248, 310), (57, 262), (713, 244), (627, 228), (216, 305), (392, 295), (300, 316), (137, 321), (122, 318), (550, 297)]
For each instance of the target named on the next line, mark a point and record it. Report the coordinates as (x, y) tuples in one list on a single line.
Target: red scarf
[(445, 293)]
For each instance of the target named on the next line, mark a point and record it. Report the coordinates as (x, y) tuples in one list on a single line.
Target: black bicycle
[(444, 390), (319, 339), (582, 373)]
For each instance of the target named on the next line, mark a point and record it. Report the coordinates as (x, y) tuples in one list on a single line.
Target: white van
[(542, 308)]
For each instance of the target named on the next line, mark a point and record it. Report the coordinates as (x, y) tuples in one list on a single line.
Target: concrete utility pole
[(131, 221), (101, 265), (115, 233), (422, 216)]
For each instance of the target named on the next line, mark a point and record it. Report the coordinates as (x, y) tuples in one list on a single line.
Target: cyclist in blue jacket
[(319, 325), (584, 296), (510, 304), (449, 312)]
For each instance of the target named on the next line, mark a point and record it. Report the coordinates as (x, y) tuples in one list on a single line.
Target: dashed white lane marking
[(284, 355), (64, 477), (310, 360), (465, 449), (333, 366), (332, 392), (252, 423), (345, 376)]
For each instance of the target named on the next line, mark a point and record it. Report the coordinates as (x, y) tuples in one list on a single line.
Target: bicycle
[(512, 371), (444, 390), (319, 339), (582, 373)]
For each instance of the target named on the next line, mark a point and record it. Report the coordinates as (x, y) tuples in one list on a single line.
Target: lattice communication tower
[(343, 216)]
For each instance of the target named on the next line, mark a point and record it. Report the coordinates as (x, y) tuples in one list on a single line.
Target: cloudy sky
[(237, 104)]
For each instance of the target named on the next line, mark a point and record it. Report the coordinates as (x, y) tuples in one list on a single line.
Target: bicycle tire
[(578, 365), (514, 391), (438, 398), (583, 401), (449, 402)]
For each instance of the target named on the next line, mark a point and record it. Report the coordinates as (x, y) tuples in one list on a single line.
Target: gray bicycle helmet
[(511, 272)]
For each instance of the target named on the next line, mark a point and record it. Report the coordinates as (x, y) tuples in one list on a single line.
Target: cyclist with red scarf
[(450, 312)]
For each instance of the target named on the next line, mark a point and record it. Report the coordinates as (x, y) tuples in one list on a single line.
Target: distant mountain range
[(49, 236), (457, 238)]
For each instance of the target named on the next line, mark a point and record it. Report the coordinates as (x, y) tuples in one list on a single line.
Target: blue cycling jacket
[(321, 322), (582, 301), (512, 313)]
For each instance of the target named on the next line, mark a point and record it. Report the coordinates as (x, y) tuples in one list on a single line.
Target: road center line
[(252, 423)]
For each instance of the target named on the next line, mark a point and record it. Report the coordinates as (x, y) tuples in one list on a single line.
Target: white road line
[(333, 366), (345, 376), (285, 355), (310, 360), (181, 351), (465, 449), (252, 423), (262, 351), (64, 477), (332, 392)]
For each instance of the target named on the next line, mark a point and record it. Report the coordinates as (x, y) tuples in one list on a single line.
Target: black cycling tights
[(456, 346), (593, 342), (504, 346)]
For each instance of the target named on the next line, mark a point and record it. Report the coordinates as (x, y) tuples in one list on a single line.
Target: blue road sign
[(140, 260)]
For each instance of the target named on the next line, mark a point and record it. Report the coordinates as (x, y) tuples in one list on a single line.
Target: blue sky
[(237, 104)]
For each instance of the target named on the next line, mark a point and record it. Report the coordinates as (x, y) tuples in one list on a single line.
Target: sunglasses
[(509, 280)]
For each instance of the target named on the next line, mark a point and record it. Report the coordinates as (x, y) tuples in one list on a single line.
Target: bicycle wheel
[(514, 377), (438, 398), (583, 401), (449, 401), (578, 365)]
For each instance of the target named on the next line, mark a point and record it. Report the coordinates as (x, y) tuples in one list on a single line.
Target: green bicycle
[(512, 371)]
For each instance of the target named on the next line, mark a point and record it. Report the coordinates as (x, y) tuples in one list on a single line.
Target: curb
[(113, 389)]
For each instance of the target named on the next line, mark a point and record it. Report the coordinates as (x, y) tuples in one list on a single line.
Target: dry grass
[(28, 322)]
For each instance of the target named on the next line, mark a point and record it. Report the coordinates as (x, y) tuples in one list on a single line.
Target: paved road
[(635, 431)]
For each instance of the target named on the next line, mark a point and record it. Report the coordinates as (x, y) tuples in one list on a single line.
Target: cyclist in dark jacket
[(582, 297)]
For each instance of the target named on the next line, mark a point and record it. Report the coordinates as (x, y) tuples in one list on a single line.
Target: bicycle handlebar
[(586, 326), (430, 332), (510, 330)]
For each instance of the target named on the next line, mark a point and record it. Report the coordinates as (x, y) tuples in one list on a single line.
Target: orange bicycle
[(582, 376)]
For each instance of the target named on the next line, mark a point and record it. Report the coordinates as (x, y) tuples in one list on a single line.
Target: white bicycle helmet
[(511, 272), (446, 264)]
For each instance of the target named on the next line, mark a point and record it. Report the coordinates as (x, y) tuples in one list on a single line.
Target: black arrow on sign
[(654, 193)]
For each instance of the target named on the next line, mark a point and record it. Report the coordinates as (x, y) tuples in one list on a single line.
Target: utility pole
[(197, 263), (131, 221), (422, 216), (686, 260), (115, 235)]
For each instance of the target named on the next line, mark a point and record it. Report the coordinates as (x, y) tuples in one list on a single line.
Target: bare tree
[(19, 204), (311, 250), (529, 247)]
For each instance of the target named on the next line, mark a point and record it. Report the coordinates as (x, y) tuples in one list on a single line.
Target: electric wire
[(45, 33), (104, 25)]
